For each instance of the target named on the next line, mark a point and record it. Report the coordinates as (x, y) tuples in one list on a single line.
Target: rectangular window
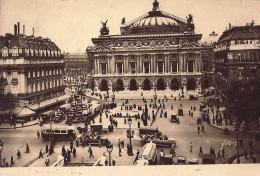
[(160, 67), (190, 66), (29, 74), (38, 73), (42, 72), (174, 66), (103, 68), (146, 67), (119, 67), (253, 56), (132, 67), (205, 65), (34, 74)]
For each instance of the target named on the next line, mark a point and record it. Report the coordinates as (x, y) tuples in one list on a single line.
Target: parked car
[(168, 159), (174, 118), (193, 161), (181, 160)]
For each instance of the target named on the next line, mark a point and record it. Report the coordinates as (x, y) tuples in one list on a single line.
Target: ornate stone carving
[(102, 49), (190, 45), (190, 25)]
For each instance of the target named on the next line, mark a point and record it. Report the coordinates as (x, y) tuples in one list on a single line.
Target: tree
[(243, 97), (6, 100)]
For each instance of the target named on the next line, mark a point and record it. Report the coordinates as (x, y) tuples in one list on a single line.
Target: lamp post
[(130, 134), (51, 145), (109, 150), (113, 97), (1, 148), (155, 96), (237, 133)]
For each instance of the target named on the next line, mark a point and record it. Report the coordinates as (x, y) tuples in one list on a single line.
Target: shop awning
[(25, 112)]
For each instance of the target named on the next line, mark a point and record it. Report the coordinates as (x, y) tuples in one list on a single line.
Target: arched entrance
[(147, 84), (133, 85), (104, 86), (191, 84), (206, 83), (160, 84), (119, 85), (175, 84)]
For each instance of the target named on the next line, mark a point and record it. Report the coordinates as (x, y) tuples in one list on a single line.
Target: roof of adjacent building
[(29, 42), (240, 33)]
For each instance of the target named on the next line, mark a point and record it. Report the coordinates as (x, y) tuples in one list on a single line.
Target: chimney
[(33, 31), (229, 26), (15, 30), (23, 29), (18, 28)]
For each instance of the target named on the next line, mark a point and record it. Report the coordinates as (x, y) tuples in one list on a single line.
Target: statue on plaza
[(190, 24), (104, 30)]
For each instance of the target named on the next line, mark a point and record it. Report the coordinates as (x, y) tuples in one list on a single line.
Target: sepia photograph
[(161, 83)]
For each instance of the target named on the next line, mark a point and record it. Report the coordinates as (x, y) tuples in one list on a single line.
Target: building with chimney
[(237, 49), (77, 69), (156, 51), (31, 69)]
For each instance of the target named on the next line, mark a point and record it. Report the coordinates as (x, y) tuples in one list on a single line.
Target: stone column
[(141, 64), (165, 69), (154, 64), (138, 63), (108, 65), (151, 61), (180, 62), (98, 66), (112, 64), (168, 63)]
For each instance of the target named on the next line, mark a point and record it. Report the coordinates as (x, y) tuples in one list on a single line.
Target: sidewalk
[(19, 125), (136, 95)]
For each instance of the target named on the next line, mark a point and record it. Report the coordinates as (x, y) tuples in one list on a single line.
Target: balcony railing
[(242, 60)]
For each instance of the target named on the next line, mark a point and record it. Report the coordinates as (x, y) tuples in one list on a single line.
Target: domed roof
[(155, 20), (162, 21)]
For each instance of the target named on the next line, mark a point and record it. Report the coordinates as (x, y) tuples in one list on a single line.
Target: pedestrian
[(245, 154), (241, 142), (250, 144), (12, 160), (77, 142), (18, 154), (74, 152), (189, 112), (47, 162), (40, 154), (38, 134), (47, 148), (172, 151), (90, 152), (138, 124), (63, 150), (191, 146), (54, 142), (120, 151), (201, 152), (71, 145), (27, 148), (113, 162), (219, 156), (251, 154), (137, 155), (123, 144), (119, 143), (202, 128), (99, 143), (223, 153), (161, 155), (198, 129), (68, 156)]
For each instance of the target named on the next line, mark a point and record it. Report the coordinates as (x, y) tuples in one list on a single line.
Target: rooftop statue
[(104, 30), (123, 20), (190, 25)]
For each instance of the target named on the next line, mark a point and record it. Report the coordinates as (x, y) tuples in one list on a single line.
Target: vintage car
[(91, 140), (68, 133), (162, 142), (168, 159), (180, 112), (174, 118), (181, 160), (193, 161)]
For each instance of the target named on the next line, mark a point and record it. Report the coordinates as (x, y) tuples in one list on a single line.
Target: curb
[(221, 128), (8, 128)]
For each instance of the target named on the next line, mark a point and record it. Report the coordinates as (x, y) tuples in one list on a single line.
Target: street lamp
[(1, 148), (113, 97), (109, 150), (237, 133), (155, 97), (130, 134), (51, 145)]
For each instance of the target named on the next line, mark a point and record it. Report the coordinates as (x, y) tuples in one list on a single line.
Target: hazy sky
[(72, 23)]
